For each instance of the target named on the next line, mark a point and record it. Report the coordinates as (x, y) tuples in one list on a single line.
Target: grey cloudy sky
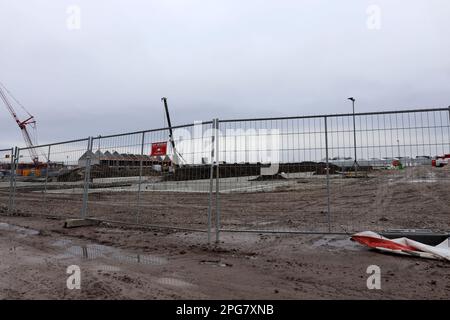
[(214, 58)]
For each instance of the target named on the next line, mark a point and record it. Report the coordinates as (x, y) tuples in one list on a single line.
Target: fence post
[(11, 178), (14, 187), (328, 174), (211, 178), (87, 178), (217, 182), (449, 127), (449, 113), (140, 178), (46, 174)]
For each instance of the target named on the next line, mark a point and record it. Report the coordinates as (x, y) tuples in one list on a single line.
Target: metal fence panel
[(321, 186), (51, 185), (130, 185), (393, 183), (6, 158), (273, 175)]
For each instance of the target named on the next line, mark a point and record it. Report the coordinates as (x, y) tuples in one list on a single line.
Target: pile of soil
[(277, 176)]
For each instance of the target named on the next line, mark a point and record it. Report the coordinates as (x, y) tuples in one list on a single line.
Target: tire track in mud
[(383, 198)]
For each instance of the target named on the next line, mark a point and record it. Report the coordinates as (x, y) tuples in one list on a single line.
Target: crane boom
[(164, 100), (22, 125), (177, 156)]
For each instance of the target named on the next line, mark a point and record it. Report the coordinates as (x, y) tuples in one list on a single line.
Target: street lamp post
[(355, 163)]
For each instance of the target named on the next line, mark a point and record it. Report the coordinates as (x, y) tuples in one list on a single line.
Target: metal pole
[(328, 175), (211, 178), (355, 163), (449, 128), (11, 177), (140, 178), (235, 147), (211, 175), (86, 179), (354, 137), (217, 182), (46, 174), (16, 162)]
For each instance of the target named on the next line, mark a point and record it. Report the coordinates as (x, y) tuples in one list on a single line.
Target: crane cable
[(33, 124), (17, 101)]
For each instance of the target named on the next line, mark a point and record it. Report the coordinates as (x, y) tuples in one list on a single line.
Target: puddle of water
[(336, 243), (97, 251), (108, 268), (423, 181), (20, 230), (174, 282)]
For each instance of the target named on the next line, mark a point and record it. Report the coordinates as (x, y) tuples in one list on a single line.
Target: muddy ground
[(118, 263), (134, 263)]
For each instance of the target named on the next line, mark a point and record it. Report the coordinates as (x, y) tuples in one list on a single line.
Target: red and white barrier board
[(404, 246)]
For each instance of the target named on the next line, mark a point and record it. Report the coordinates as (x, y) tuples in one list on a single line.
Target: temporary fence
[(336, 173)]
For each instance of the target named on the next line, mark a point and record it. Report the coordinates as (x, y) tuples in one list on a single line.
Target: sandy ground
[(125, 262), (119, 263), (417, 197)]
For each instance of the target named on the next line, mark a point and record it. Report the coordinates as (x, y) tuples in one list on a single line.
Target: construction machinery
[(177, 157), (23, 124)]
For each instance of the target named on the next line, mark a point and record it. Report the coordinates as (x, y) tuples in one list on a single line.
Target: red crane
[(21, 123)]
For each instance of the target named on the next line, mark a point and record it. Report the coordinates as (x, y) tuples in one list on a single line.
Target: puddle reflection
[(97, 251), (20, 230)]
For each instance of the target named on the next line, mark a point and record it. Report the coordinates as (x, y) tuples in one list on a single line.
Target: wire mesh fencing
[(6, 163), (132, 181), (389, 178), (276, 166), (336, 173), (312, 174), (50, 180)]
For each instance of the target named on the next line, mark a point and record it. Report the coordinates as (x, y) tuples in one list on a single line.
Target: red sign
[(159, 149)]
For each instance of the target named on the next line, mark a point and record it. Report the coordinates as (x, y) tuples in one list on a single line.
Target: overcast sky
[(211, 58)]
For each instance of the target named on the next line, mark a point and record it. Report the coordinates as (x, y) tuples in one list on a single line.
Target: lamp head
[(352, 99)]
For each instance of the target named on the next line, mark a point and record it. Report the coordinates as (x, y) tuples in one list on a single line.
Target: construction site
[(226, 209)]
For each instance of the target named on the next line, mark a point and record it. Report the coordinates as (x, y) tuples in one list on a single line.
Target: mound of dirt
[(277, 176)]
